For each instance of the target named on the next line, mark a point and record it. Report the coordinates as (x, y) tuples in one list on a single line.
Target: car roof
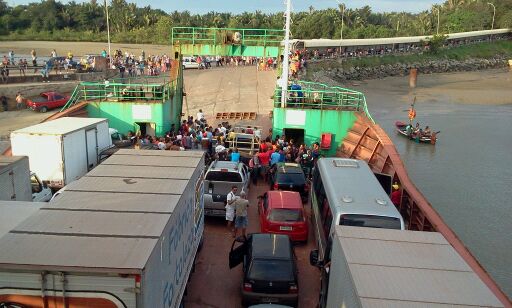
[(289, 168), (271, 246), (276, 199), (221, 164)]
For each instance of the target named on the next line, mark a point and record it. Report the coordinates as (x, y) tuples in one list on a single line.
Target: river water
[(466, 176)]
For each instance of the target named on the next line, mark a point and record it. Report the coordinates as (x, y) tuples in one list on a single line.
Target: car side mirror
[(313, 258)]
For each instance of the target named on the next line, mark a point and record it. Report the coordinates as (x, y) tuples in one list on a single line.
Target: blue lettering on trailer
[(180, 242)]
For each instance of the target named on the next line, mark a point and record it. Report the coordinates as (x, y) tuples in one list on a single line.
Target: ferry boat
[(337, 118)]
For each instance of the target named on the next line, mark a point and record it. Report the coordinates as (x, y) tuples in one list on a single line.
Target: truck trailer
[(17, 183), (371, 267), (62, 150), (124, 235)]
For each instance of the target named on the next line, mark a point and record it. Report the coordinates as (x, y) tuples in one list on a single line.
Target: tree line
[(53, 20)]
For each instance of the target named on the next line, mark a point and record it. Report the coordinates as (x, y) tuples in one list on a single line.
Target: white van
[(190, 62)]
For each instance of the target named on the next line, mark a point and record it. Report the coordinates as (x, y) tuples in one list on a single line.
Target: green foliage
[(51, 19), (435, 43)]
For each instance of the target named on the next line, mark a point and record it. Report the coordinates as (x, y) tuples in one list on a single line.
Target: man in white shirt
[(200, 115), (230, 209)]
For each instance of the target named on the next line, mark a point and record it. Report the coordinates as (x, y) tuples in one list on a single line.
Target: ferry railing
[(123, 90), (253, 37), (312, 95)]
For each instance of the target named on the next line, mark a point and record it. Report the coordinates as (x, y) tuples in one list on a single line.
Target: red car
[(281, 212), (47, 101)]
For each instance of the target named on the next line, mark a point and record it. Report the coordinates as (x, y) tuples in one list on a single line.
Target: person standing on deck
[(200, 115), (241, 221), (230, 209), (254, 164), (396, 195)]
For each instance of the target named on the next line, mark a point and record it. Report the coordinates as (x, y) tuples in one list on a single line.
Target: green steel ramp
[(227, 41)]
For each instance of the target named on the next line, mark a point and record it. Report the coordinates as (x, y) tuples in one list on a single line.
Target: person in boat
[(427, 132), (408, 130)]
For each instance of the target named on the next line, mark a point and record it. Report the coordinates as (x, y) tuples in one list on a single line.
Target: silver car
[(219, 179)]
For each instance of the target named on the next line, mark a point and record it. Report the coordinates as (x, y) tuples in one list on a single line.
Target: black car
[(270, 269), (289, 176)]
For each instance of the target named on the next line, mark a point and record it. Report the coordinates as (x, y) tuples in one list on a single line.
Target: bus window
[(370, 221), (326, 218)]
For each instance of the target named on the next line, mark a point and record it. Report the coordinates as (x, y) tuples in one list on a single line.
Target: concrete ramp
[(239, 89)]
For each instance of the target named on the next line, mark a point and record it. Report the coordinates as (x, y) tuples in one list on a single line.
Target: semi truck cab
[(40, 191)]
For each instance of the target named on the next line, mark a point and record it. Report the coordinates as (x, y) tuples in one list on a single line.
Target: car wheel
[(43, 109), (183, 66)]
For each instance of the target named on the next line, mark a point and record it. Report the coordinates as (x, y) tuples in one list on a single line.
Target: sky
[(237, 6)]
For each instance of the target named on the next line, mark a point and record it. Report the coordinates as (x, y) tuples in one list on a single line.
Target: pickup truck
[(47, 101)]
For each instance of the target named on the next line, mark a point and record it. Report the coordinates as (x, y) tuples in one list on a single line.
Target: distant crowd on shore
[(128, 64)]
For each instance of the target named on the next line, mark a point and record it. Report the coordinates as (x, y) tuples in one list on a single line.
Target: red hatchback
[(281, 212)]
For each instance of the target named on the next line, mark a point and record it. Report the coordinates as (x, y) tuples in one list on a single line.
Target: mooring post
[(413, 77)]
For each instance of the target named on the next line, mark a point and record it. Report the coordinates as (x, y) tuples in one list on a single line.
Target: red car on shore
[(47, 100), (282, 212)]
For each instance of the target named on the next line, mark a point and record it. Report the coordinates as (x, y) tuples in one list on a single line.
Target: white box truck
[(62, 150), (17, 183), (124, 235), (371, 267)]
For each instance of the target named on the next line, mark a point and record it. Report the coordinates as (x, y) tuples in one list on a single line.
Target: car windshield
[(291, 178), (370, 221), (272, 270), (223, 176), (288, 215)]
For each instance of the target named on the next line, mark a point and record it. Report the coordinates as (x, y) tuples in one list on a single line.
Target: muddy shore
[(486, 87)]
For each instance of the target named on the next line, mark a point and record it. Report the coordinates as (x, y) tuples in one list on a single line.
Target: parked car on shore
[(47, 100), (190, 62)]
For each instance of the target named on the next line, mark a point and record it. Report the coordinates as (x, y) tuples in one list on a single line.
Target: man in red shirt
[(396, 195), (264, 158), (263, 147)]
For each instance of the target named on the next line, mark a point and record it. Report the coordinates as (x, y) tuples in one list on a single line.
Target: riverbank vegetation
[(85, 21)]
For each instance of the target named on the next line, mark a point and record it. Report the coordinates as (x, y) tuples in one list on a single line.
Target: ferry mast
[(284, 76)]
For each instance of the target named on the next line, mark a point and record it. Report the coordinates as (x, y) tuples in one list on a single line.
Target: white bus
[(346, 192)]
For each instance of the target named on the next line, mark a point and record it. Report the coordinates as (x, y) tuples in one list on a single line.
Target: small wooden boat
[(401, 129)]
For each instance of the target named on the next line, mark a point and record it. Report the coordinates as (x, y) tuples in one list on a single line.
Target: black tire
[(43, 109), (183, 67)]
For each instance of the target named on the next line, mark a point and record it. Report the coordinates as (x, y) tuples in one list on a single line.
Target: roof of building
[(409, 268), (59, 126), (320, 43)]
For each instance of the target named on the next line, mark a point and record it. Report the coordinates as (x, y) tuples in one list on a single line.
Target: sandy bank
[(488, 87)]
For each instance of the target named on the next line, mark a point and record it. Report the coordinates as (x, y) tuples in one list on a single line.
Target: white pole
[(438, 13), (342, 8), (108, 37), (493, 14), (284, 76)]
